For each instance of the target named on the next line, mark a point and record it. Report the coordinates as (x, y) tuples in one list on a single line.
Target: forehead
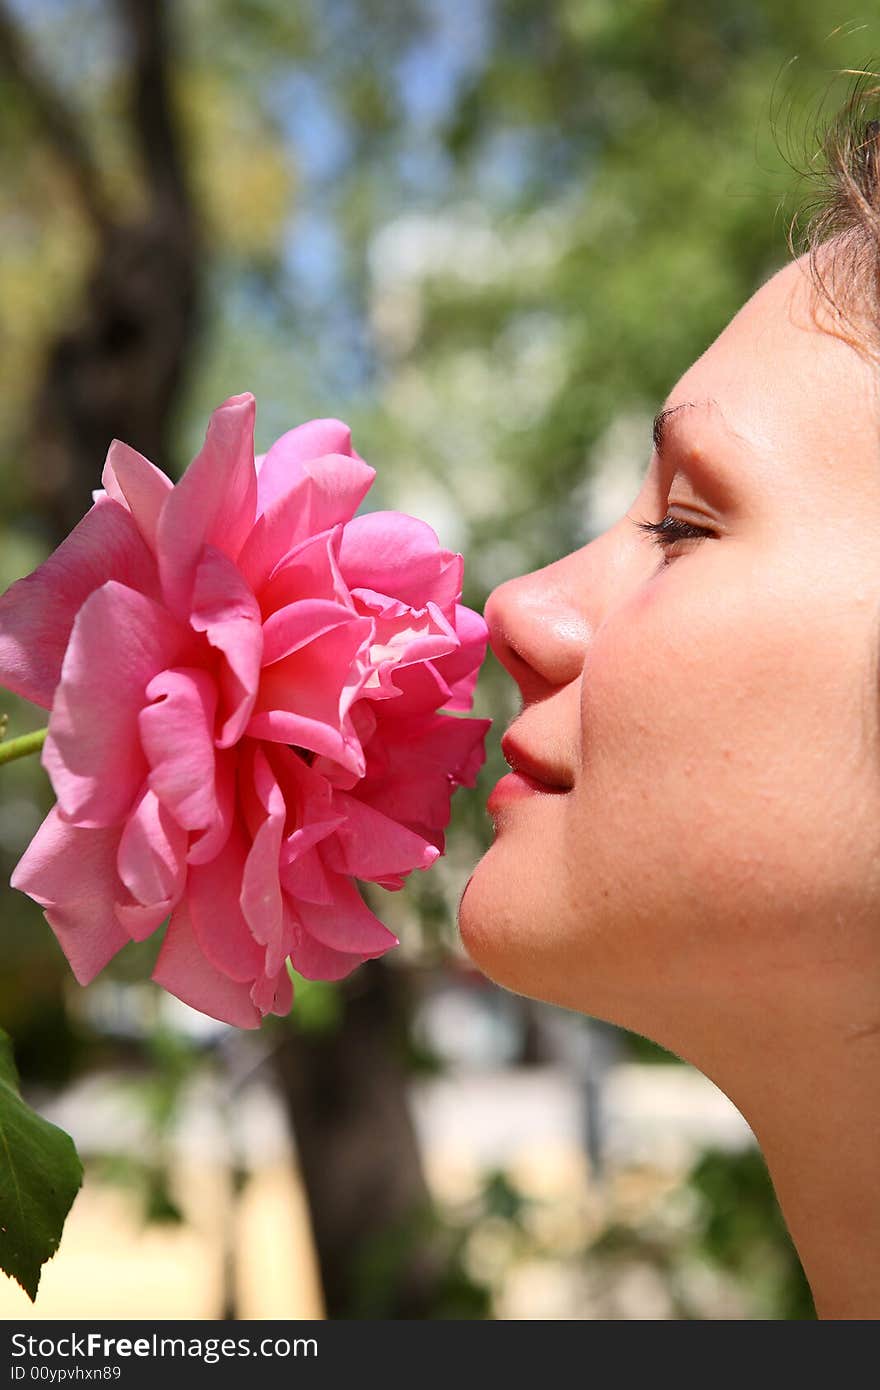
[(781, 379)]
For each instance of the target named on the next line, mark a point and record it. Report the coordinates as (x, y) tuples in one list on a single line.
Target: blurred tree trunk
[(116, 367), (358, 1154), (115, 370)]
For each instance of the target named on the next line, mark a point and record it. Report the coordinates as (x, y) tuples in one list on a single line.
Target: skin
[(712, 877)]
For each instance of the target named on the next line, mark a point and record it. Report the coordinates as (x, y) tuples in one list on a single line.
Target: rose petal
[(414, 765), (370, 846), (183, 969), (310, 570), (404, 636), (273, 994), (282, 465), (92, 753), (461, 667), (214, 895), (308, 802), (297, 850), (260, 886), (322, 493), (336, 487), (224, 608), (364, 722), (211, 840), (213, 504), (348, 925), (315, 961), (290, 628), (303, 875), (307, 795), (151, 860), (37, 612), (138, 485), (141, 921), (422, 690), (177, 734), (400, 556), (305, 698), (71, 873)]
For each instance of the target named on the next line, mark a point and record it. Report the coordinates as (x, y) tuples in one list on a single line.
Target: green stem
[(20, 747)]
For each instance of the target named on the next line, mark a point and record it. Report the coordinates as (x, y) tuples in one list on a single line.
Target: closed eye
[(672, 529)]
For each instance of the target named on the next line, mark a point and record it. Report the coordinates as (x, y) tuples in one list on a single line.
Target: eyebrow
[(658, 430)]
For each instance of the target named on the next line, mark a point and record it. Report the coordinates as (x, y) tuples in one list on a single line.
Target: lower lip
[(516, 785)]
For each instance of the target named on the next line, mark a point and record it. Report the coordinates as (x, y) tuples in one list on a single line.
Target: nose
[(541, 625), (539, 628)]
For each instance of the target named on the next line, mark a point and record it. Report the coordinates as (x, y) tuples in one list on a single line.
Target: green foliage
[(742, 1230), (723, 1221), (318, 1004), (148, 1182), (40, 1174), (385, 1264), (641, 1049), (160, 1207), (500, 1198)]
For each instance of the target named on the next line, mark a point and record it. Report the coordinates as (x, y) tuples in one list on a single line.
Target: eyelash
[(672, 529)]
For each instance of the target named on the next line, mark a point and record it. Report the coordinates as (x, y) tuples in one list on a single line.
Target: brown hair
[(839, 228)]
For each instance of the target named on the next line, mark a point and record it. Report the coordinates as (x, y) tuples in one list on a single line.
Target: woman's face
[(711, 708)]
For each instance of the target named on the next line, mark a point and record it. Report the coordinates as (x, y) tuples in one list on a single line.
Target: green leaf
[(40, 1174)]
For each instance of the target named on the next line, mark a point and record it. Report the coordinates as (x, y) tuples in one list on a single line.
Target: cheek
[(729, 774)]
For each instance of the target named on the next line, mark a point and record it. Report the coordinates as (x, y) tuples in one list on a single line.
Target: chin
[(517, 946), (504, 946), (484, 932)]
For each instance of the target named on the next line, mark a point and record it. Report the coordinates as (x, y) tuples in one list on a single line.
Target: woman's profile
[(688, 844)]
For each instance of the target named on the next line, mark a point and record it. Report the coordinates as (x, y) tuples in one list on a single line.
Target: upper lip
[(521, 760)]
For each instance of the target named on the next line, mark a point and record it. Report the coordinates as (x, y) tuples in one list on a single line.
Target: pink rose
[(244, 681)]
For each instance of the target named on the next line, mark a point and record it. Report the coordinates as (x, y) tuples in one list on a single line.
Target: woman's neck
[(813, 1103)]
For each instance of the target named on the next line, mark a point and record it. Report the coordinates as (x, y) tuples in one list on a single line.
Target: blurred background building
[(490, 234)]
